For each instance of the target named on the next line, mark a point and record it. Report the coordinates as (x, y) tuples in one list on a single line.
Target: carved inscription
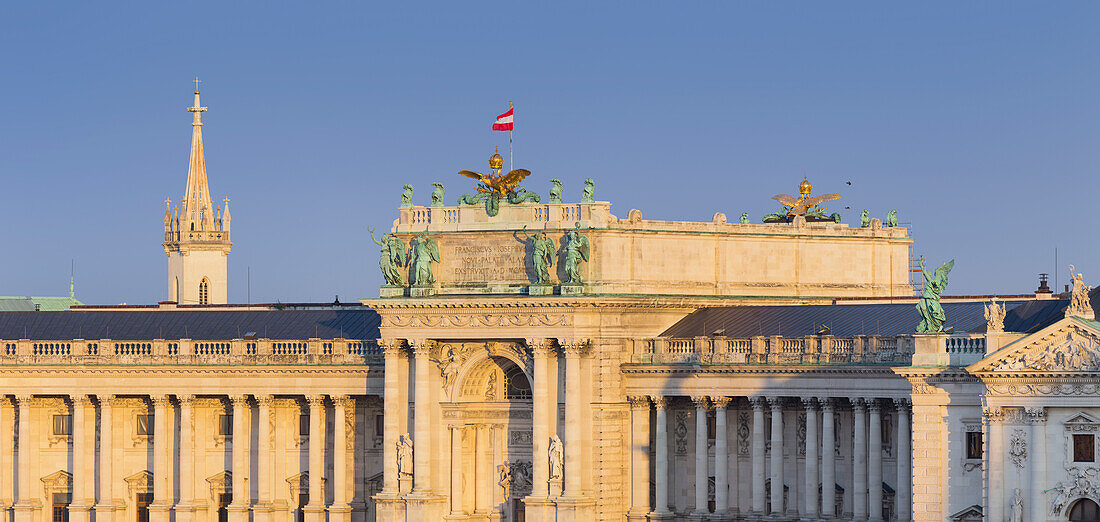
[(489, 262)]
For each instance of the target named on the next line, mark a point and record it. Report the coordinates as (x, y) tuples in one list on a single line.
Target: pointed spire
[(196, 205)]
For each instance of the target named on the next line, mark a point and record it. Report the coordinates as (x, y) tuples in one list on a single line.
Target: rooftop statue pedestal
[(391, 291), (540, 290), (572, 289), (930, 350), (421, 291)]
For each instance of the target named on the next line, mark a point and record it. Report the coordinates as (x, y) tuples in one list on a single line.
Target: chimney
[(1044, 291)]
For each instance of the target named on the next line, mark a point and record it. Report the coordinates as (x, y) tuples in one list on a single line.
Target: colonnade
[(166, 452), (819, 469)]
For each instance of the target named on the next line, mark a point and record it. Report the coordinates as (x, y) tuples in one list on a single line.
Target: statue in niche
[(437, 194), (391, 259), (449, 365), (589, 191), (577, 249), (865, 218), (491, 387), (1079, 303), (931, 313), (1016, 507), (744, 218), (427, 251), (542, 255), (994, 316), (892, 218), (407, 196), (555, 191), (555, 454), (405, 456)]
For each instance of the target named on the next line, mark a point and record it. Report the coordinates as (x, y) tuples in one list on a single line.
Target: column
[(874, 462), (904, 497), (661, 493), (859, 459), (7, 453), (639, 457), (393, 410), (540, 419), (104, 509), (828, 458), (1038, 418), (573, 420), (777, 455), (343, 409), (456, 471), (421, 420), (809, 509), (315, 509), (484, 475), (24, 507), (238, 508), (721, 457), (758, 406), (700, 455), (185, 510), (83, 477), (162, 498), (994, 455)]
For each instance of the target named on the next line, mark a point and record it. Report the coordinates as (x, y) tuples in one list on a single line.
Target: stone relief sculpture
[(931, 313), (491, 387), (577, 249), (1079, 303), (1016, 507), (437, 195), (542, 255), (407, 196), (994, 316), (427, 251), (449, 364), (1078, 351), (892, 218), (865, 218), (1017, 448), (391, 259), (589, 191), (555, 191), (555, 454), (405, 456), (744, 218)]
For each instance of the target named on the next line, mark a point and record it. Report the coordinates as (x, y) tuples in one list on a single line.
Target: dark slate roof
[(858, 319), (201, 325)]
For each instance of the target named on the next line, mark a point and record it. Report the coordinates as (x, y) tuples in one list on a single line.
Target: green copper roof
[(44, 304)]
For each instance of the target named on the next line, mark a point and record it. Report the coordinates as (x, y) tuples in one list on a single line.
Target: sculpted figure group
[(425, 251)]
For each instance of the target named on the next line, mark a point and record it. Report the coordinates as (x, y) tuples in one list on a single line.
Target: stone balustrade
[(823, 349), (190, 351)]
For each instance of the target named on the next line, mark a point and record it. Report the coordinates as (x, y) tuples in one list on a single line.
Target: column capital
[(390, 347), (874, 405), (659, 401), (858, 403), (264, 399), (810, 403), (160, 401), (721, 402), (1036, 415), (638, 401), (902, 404), (24, 399), (346, 401), (185, 399), (993, 414), (573, 347), (315, 401), (540, 347), (701, 402), (827, 404), (80, 400), (759, 402), (776, 403), (420, 347)]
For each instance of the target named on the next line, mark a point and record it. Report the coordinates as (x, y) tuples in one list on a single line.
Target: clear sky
[(976, 120)]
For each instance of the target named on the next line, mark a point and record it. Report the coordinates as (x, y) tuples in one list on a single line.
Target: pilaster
[(315, 509), (185, 510), (344, 425), (238, 508), (162, 500), (83, 474)]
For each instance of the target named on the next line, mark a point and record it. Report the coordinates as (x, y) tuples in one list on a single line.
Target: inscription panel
[(497, 261)]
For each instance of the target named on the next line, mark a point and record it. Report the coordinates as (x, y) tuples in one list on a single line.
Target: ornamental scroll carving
[(1017, 448), (743, 433), (475, 320), (1075, 350), (1082, 482)]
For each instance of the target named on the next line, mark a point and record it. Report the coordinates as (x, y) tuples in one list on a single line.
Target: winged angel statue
[(427, 251), (496, 185), (577, 249), (391, 259), (931, 313)]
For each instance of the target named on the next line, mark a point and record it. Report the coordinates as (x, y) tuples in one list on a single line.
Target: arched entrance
[(490, 428), (1084, 510)]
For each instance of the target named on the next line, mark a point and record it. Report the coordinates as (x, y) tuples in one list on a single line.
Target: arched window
[(1084, 510), (204, 291)]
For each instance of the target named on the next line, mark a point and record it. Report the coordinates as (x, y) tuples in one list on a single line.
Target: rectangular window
[(1084, 448), (225, 425), (303, 425), (712, 427), (974, 445), (62, 424), (379, 425), (144, 424)]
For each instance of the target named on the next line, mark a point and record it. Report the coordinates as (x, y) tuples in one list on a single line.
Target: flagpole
[(511, 164)]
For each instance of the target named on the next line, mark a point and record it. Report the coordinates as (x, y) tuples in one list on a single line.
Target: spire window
[(204, 291)]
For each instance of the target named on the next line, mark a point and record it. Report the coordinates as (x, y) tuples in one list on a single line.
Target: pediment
[(972, 513), (59, 479), (1071, 345), (1081, 422)]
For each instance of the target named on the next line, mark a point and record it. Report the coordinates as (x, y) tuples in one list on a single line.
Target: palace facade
[(611, 369)]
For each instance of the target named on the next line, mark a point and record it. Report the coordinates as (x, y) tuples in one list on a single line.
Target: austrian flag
[(504, 121)]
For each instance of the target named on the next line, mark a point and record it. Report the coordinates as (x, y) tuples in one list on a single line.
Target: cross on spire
[(197, 82)]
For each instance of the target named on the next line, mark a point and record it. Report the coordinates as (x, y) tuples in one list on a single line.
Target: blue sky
[(977, 121)]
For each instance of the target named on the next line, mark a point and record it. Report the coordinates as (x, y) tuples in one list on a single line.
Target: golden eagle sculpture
[(804, 203), (496, 182)]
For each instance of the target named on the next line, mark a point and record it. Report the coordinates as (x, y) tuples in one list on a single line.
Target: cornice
[(644, 369), (9, 372)]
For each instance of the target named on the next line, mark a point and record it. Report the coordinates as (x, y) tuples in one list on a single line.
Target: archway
[(1084, 510), (490, 436)]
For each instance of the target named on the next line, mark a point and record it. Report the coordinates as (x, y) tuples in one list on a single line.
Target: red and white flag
[(504, 121)]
